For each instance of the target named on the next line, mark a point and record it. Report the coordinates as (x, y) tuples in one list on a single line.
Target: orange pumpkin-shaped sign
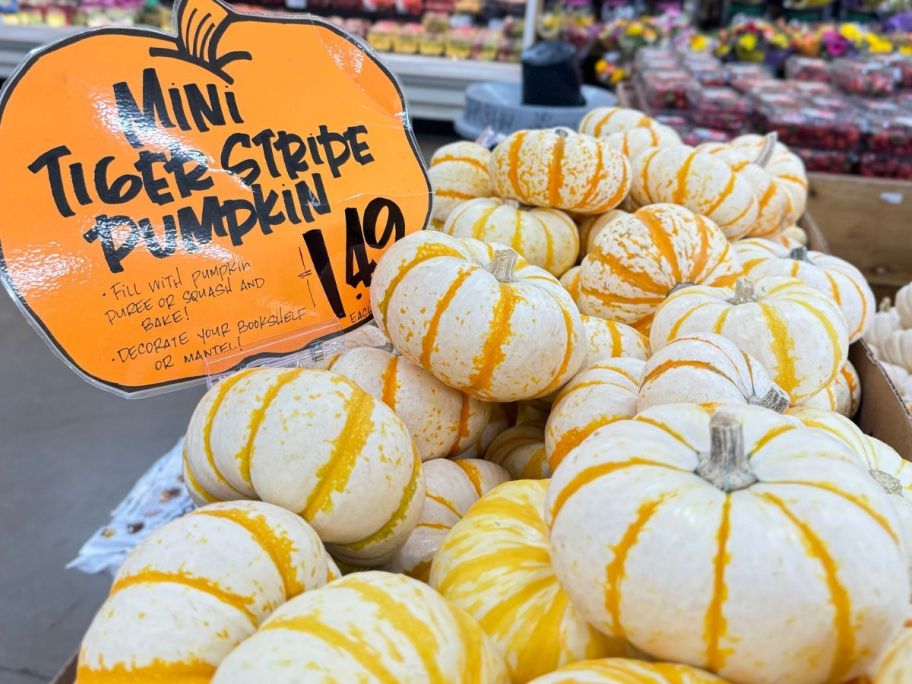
[(172, 201)]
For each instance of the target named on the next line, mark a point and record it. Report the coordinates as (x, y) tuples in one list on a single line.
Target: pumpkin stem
[(744, 292), (777, 399), (680, 286), (890, 484), (727, 466), (503, 265), (799, 253), (885, 305), (769, 146)]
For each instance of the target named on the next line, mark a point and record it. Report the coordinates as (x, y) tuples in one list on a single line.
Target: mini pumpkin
[(499, 420), (755, 519), (797, 332), (639, 258), (607, 339), (599, 395), (842, 395), (707, 368), (198, 586), (625, 671), (895, 665), (547, 238), (561, 169), (442, 421), (832, 275), (479, 317), (883, 323), (451, 489), (521, 451), (903, 305), (896, 348), (785, 166), (698, 181), (634, 141), (591, 226), (602, 122), (315, 443), (369, 626), (571, 282), (495, 564), (458, 172)]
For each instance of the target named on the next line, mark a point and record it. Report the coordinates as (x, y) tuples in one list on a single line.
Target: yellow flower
[(699, 43), (850, 32), (747, 42), (879, 44), (779, 40), (905, 50), (618, 76), (635, 29)]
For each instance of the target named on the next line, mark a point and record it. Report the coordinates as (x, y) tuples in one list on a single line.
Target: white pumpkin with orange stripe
[(774, 201), (842, 395), (315, 443), (707, 368), (634, 141), (765, 548), (785, 166), (595, 397), (521, 451), (571, 282), (195, 588), (797, 332), (442, 421), (458, 172), (625, 671), (895, 664), (498, 421), (607, 339), (547, 238), (479, 317), (832, 275), (708, 186), (495, 564), (591, 226), (604, 121), (561, 169), (639, 258), (367, 627), (451, 489)]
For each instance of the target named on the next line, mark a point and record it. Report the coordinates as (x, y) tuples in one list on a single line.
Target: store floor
[(68, 454)]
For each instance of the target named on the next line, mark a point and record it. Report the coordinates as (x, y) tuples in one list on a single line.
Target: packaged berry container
[(825, 161), (406, 41), (380, 36), (679, 122), (812, 127), (885, 165), (665, 90), (655, 58), (698, 136), (776, 100), (902, 68), (720, 108), (807, 69), (709, 76), (808, 88), (836, 103), (459, 42), (873, 78), (889, 133)]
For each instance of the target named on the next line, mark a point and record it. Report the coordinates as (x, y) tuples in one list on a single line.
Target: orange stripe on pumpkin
[(492, 351), (715, 625), (430, 336), (455, 158)]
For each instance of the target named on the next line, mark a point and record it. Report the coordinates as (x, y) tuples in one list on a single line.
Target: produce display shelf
[(434, 86)]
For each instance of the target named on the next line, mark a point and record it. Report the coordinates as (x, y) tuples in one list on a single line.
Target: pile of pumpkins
[(890, 338), (603, 436)]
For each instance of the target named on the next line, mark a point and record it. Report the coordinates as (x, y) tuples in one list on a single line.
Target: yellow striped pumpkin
[(604, 121), (708, 186), (498, 421), (797, 332), (774, 201), (195, 588), (458, 172), (561, 169), (367, 627), (521, 451), (597, 396), (571, 282), (634, 141), (639, 258), (752, 517), (842, 395), (625, 671), (442, 421), (785, 166), (607, 339), (476, 315), (495, 564), (832, 275), (547, 238), (315, 443), (451, 489), (705, 368), (591, 226)]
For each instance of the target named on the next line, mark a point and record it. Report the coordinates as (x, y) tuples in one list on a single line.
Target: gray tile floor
[(68, 455)]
